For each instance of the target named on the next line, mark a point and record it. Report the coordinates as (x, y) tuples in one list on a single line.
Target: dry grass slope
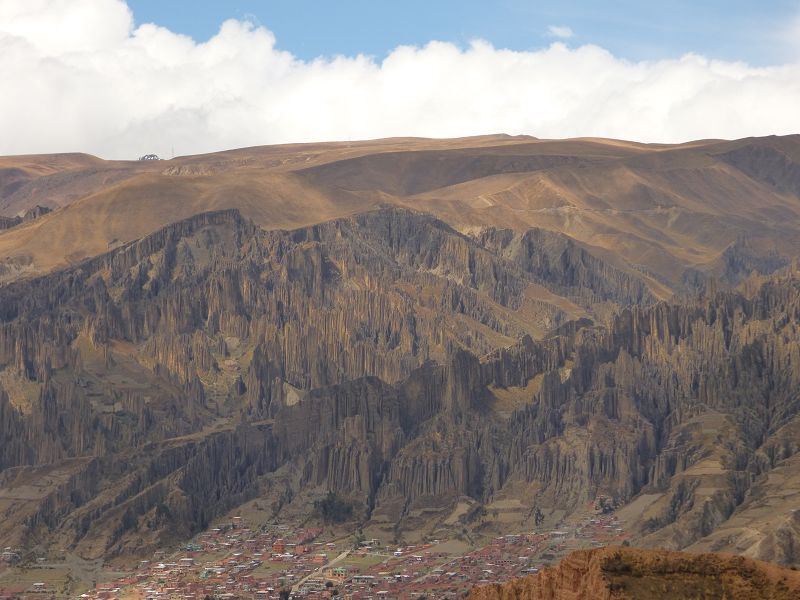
[(652, 209)]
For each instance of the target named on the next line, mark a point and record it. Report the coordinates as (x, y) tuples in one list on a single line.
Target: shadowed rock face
[(767, 164), (626, 573), (30, 215), (209, 322), (391, 359), (560, 263), (422, 171)]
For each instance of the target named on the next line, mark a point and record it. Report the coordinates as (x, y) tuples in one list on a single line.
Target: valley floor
[(239, 559)]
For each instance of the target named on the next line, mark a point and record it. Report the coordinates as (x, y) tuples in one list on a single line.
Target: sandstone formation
[(628, 574)]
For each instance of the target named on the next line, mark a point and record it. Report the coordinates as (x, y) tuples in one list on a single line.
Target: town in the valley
[(239, 558)]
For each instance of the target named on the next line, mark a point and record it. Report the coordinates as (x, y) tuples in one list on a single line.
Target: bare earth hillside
[(656, 209)]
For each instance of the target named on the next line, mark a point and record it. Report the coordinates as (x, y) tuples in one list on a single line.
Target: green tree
[(333, 509)]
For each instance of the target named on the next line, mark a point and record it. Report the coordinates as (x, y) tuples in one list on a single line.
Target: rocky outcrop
[(740, 260), (617, 573), (764, 162), (566, 267), (9, 222), (30, 215), (390, 359)]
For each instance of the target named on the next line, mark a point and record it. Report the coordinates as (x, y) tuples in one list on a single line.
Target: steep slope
[(625, 573), (416, 325), (391, 359), (210, 320)]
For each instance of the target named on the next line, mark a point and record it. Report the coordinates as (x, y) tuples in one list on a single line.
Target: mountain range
[(485, 332)]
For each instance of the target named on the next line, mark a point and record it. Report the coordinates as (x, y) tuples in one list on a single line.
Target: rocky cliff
[(29, 215), (626, 573), (393, 360)]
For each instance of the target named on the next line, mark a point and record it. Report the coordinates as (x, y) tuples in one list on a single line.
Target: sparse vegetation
[(333, 509), (476, 513), (605, 505)]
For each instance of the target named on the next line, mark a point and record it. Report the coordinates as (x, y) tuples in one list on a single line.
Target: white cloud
[(560, 31), (77, 76)]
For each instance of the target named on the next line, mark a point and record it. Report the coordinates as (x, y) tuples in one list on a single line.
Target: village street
[(319, 572)]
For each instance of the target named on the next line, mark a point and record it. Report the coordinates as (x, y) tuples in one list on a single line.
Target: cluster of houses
[(236, 562), (422, 571), (277, 561), (602, 531), (9, 556), (232, 561)]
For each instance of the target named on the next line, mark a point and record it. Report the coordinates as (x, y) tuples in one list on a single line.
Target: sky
[(121, 79), (632, 29)]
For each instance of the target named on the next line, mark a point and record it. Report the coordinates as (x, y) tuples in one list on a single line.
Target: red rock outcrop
[(634, 574)]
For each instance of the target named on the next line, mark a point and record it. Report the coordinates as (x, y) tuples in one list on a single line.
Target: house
[(336, 573)]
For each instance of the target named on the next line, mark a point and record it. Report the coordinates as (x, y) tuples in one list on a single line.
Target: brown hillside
[(632, 574), (661, 211), (507, 324)]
